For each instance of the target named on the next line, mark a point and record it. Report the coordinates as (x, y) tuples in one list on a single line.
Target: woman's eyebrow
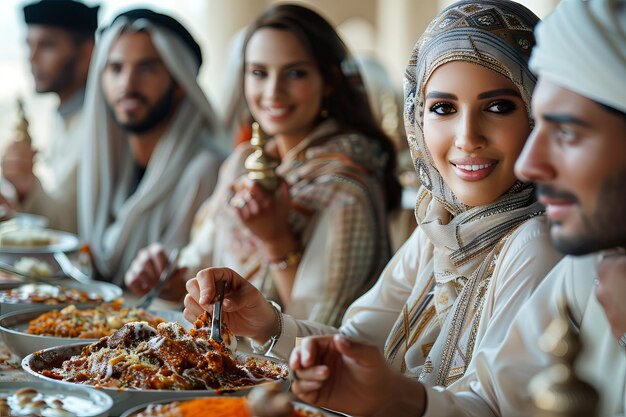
[(499, 92), (439, 94)]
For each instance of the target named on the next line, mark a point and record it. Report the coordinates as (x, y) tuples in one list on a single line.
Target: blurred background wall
[(381, 30)]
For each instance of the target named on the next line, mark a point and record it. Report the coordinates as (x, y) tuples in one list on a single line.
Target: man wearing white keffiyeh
[(155, 143)]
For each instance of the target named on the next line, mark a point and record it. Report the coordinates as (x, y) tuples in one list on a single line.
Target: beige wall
[(386, 29)]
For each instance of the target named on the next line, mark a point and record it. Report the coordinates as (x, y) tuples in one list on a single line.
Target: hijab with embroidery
[(497, 35)]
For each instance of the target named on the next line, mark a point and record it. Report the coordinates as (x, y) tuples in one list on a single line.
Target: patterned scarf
[(325, 168), (466, 240)]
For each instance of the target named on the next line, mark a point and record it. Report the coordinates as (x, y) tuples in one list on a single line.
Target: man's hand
[(17, 167), (611, 291), (343, 375)]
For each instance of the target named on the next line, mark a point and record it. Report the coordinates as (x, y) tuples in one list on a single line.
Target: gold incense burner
[(21, 127), (557, 391), (261, 166)]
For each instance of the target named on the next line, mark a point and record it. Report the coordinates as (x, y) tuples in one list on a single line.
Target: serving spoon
[(216, 320)]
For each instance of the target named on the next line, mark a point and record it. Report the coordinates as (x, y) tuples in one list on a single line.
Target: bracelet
[(267, 347), (293, 258)]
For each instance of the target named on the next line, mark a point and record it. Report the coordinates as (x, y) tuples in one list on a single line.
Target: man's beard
[(156, 114), (605, 228), (64, 80)]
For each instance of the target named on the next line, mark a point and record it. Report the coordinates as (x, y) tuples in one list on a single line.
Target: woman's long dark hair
[(347, 103)]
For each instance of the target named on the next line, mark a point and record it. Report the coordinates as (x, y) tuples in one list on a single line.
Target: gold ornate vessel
[(261, 166), (557, 391), (21, 127)]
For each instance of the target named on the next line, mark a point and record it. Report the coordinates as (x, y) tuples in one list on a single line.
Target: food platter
[(59, 242), (311, 411), (80, 400), (105, 290), (125, 399), (13, 331)]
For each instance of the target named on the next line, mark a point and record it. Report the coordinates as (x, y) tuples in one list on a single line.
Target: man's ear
[(179, 93), (85, 50)]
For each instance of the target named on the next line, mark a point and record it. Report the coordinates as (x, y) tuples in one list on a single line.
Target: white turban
[(581, 46), (117, 224)]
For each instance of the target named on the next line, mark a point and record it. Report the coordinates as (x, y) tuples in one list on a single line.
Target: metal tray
[(13, 331), (133, 412), (107, 291), (95, 402), (127, 398)]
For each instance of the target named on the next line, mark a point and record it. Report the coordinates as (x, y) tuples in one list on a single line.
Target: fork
[(70, 269), (216, 321)]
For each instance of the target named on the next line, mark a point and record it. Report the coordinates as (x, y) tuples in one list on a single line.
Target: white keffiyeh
[(582, 47), (115, 224)]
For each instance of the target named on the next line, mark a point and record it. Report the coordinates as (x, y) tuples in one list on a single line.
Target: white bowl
[(127, 398), (91, 402), (107, 291), (13, 331)]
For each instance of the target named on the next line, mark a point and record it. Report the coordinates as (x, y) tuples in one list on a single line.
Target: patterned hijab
[(498, 35)]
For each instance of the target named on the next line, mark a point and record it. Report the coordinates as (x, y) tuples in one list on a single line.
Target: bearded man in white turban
[(576, 155), (154, 142), (153, 158)]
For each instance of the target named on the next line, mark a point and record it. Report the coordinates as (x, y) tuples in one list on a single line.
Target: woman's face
[(283, 85), (475, 125)]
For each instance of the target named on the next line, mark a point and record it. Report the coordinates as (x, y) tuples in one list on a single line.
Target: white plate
[(94, 402), (107, 291), (25, 220), (127, 398), (132, 412), (61, 242), (13, 331)]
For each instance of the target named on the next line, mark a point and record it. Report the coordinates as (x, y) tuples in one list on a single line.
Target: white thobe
[(496, 383)]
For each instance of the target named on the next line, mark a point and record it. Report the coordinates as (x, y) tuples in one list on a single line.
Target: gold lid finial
[(21, 127), (557, 391), (261, 167)]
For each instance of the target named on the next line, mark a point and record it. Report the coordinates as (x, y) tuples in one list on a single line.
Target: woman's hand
[(265, 214), (354, 378), (244, 310), (611, 291)]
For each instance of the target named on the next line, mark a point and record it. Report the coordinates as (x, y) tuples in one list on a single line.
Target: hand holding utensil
[(168, 272)]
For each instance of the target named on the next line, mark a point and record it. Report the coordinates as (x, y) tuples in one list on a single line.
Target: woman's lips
[(277, 113), (473, 170)]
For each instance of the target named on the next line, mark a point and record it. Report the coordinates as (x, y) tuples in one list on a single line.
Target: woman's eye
[(442, 108), (501, 106), (296, 74), (257, 73)]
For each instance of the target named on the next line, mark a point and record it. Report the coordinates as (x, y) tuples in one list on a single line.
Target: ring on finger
[(239, 201)]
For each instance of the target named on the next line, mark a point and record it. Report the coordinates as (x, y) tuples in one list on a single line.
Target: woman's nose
[(273, 86), (469, 137)]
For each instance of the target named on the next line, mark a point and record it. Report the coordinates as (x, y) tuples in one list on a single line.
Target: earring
[(324, 113)]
